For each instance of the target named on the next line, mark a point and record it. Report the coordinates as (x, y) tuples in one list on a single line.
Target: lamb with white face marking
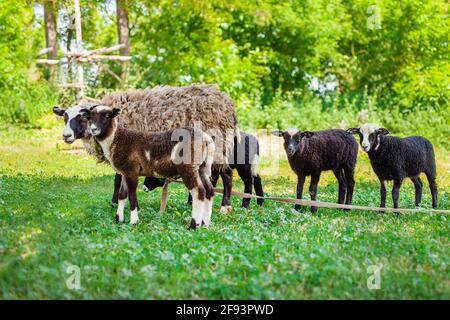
[(310, 153), (161, 154), (370, 135), (394, 158)]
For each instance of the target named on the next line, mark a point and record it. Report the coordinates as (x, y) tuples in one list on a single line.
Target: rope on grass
[(320, 204)]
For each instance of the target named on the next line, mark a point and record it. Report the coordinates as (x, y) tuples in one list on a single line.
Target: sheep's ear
[(116, 112), (277, 133), (85, 113), (352, 130), (383, 131), (58, 111), (307, 134)]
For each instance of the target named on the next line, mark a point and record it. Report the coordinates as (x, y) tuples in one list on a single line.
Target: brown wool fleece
[(165, 108)]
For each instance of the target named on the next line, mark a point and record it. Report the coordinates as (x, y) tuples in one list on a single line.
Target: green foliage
[(55, 212), (311, 112), (276, 58), (395, 48), (23, 100), (401, 55)]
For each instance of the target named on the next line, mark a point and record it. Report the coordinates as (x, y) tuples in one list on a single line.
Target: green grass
[(55, 212)]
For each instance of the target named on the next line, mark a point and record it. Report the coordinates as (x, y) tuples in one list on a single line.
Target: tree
[(123, 32), (50, 9)]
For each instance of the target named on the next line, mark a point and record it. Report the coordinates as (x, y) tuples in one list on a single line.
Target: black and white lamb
[(310, 153), (184, 152), (395, 158), (245, 159)]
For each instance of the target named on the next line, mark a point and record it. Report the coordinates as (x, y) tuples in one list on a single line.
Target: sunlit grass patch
[(55, 213)]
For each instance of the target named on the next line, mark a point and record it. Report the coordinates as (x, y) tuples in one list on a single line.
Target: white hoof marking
[(134, 218), (225, 209), (119, 214)]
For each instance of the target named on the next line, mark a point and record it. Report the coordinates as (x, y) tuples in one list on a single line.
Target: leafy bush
[(23, 100), (311, 112)]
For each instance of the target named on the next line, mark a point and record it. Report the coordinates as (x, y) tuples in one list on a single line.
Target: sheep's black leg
[(189, 199), (433, 188), (418, 185), (132, 183), (214, 177), (244, 172), (258, 189), (313, 189), (350, 182), (396, 191), (341, 182), (227, 178), (300, 184), (383, 193), (117, 183)]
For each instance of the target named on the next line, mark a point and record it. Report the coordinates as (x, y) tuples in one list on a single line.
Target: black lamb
[(310, 153), (395, 158)]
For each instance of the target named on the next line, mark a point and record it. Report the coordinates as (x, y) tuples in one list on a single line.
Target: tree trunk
[(50, 9), (123, 33), (70, 28)]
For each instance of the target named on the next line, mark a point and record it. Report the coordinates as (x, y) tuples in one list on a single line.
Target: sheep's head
[(292, 139), (101, 119), (369, 136), (76, 127)]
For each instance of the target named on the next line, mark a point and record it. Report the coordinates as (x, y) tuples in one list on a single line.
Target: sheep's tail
[(210, 150), (254, 165), (237, 133)]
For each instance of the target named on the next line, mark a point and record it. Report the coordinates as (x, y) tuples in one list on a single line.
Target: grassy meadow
[(55, 213)]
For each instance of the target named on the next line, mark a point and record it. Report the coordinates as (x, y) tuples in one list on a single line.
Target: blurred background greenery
[(309, 64)]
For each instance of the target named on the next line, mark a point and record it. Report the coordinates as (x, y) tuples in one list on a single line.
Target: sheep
[(165, 108), (394, 158), (184, 152), (245, 159), (310, 153)]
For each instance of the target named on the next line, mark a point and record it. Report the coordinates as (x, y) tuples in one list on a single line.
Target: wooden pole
[(80, 76), (80, 56)]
